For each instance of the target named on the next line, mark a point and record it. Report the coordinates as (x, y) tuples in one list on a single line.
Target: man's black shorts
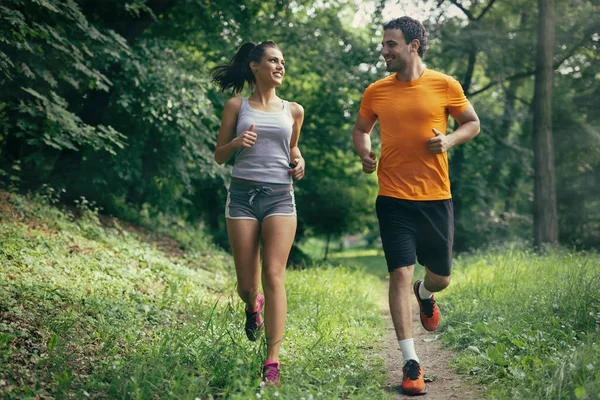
[(424, 228)]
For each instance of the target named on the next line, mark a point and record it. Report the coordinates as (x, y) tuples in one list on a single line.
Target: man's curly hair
[(412, 29)]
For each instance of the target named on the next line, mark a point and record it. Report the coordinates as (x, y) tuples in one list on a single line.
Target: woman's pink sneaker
[(253, 320), (271, 374)]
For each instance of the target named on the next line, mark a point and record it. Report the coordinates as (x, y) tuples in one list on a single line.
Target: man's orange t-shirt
[(407, 111)]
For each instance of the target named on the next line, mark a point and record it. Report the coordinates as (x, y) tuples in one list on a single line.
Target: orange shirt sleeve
[(456, 99), (366, 110)]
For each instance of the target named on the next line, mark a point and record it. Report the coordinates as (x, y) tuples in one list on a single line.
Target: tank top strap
[(244, 104), (286, 107)]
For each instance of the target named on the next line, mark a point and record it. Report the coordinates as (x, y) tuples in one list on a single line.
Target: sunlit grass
[(527, 325), (371, 261), (94, 312)]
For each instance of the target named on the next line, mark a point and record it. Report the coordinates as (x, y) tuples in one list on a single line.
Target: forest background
[(110, 103)]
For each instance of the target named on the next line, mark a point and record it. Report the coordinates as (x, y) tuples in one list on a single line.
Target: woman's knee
[(273, 277)]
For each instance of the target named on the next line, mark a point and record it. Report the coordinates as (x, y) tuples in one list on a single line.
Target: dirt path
[(435, 359)]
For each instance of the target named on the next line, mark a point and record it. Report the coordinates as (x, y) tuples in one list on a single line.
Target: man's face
[(395, 51)]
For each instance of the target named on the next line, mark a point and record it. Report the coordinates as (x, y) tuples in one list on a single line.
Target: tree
[(493, 176), (545, 221)]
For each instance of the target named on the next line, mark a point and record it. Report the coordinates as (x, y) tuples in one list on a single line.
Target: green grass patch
[(527, 325), (88, 311), (372, 261)]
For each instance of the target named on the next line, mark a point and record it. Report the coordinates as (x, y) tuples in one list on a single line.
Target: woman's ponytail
[(237, 72)]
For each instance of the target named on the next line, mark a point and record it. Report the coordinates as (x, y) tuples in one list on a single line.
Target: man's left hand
[(438, 144)]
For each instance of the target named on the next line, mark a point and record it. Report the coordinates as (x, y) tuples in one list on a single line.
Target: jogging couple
[(414, 205)]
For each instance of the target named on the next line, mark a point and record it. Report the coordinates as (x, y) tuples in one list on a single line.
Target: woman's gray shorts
[(258, 201)]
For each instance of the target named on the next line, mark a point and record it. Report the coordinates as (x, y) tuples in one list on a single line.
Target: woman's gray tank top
[(267, 161)]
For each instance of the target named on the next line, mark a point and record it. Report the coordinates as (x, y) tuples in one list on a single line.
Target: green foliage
[(161, 100), (371, 261), (577, 150), (48, 51), (526, 325), (493, 175), (112, 101)]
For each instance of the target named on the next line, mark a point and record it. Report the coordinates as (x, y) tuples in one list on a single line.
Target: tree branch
[(509, 145), (500, 80), (467, 12), (464, 10), (531, 72), (490, 4)]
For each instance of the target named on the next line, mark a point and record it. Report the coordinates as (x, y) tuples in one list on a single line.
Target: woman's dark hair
[(411, 29), (237, 72)]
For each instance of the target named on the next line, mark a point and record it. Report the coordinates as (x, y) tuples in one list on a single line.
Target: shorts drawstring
[(263, 189)]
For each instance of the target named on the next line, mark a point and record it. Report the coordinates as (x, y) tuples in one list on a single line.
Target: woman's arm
[(295, 155), (227, 143)]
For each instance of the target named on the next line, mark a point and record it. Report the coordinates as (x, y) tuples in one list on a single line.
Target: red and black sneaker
[(413, 381), (429, 311)]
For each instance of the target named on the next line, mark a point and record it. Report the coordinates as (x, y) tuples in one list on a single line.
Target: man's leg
[(397, 230), (398, 237), (413, 381), (400, 301), (434, 250), (434, 282), (429, 312)]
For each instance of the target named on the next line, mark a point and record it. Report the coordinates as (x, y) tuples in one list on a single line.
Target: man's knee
[(402, 276)]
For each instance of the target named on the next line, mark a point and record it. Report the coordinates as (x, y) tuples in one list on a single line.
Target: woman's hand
[(298, 171), (246, 139)]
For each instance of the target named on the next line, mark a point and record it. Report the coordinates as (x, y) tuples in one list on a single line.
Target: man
[(414, 205)]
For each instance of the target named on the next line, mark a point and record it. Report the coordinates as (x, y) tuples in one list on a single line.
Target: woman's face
[(271, 68)]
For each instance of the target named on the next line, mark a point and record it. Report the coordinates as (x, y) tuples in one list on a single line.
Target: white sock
[(424, 293), (407, 346)]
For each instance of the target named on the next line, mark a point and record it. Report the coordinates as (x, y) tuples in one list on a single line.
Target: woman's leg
[(244, 237), (278, 234)]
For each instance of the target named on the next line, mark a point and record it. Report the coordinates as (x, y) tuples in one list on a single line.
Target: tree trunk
[(457, 162), (327, 247), (545, 226)]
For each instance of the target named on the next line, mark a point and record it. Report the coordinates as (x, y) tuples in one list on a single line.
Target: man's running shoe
[(413, 382), (253, 319), (429, 311)]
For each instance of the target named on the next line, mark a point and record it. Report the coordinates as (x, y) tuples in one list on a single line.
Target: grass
[(371, 261), (527, 325), (88, 311)]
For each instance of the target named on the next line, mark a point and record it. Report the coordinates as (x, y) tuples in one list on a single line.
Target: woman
[(262, 132)]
